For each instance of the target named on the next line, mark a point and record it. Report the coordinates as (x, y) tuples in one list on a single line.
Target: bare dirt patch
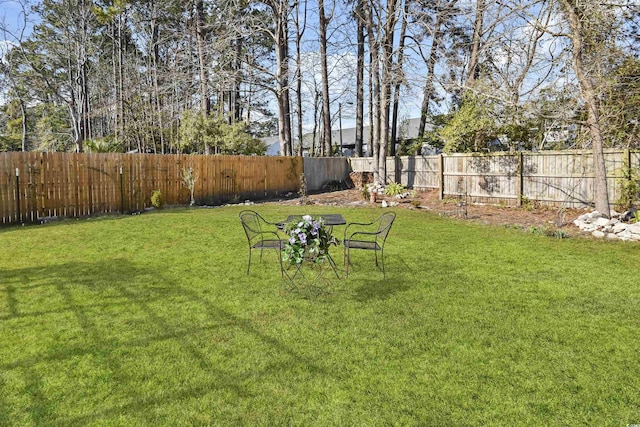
[(542, 219)]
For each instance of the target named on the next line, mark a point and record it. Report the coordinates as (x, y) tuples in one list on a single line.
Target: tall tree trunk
[(317, 114), (157, 107), (588, 93), (398, 78), (386, 77), (121, 111), (23, 112), (300, 29), (117, 137), (374, 51), (326, 107), (86, 123), (237, 78), (360, 80), (432, 59), (473, 71), (281, 17), (205, 102)]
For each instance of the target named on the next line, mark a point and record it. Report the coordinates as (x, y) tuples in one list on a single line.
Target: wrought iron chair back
[(261, 234), (368, 236)]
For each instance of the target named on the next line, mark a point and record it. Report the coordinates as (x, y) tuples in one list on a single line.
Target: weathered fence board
[(560, 178), (76, 185), (419, 172), (320, 171)]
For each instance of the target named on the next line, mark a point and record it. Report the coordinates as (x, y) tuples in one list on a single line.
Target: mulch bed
[(540, 218)]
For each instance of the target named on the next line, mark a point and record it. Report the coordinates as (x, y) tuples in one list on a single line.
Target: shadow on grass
[(80, 290), (403, 273), (373, 284)]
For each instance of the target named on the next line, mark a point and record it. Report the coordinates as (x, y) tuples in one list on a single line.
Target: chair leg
[(249, 264), (384, 276), (348, 262)]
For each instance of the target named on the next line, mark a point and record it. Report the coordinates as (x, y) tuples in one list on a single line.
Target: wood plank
[(67, 184), (4, 189)]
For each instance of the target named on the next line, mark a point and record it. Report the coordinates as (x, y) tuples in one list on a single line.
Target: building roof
[(407, 129)]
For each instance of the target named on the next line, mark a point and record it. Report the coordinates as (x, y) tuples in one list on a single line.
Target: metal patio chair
[(368, 236), (261, 234)]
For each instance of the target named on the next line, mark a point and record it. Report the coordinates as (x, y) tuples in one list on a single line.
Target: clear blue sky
[(12, 21)]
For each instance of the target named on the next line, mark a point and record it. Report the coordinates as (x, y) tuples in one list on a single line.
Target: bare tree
[(280, 15), (398, 80), (325, 140), (10, 68), (360, 28), (578, 15), (381, 26), (300, 23), (444, 12)]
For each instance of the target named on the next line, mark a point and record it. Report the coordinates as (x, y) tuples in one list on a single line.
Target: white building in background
[(407, 129)]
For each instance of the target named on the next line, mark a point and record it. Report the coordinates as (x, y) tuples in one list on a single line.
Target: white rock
[(624, 233), (634, 228), (595, 214), (602, 222), (613, 214), (584, 218), (619, 227), (597, 233), (385, 204), (612, 236)]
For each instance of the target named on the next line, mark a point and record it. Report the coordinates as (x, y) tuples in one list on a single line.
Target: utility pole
[(340, 122)]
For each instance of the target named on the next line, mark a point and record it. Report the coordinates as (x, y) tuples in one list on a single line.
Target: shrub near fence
[(557, 178), (39, 185)]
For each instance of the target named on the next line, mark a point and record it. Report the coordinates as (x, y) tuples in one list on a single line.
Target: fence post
[(520, 178), (441, 166), (19, 215), (121, 193)]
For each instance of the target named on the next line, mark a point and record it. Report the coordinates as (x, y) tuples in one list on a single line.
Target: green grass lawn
[(152, 320)]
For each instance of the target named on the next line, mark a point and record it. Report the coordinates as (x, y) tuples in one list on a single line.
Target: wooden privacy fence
[(34, 186), (556, 178)]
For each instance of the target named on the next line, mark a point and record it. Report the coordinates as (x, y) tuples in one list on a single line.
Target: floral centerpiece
[(309, 239)]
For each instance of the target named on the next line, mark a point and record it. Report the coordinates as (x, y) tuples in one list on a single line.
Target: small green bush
[(157, 201), (394, 188), (526, 203), (365, 193), (548, 231), (628, 188)]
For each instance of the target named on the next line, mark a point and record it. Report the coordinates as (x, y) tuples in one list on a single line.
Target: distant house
[(273, 145), (407, 129)]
